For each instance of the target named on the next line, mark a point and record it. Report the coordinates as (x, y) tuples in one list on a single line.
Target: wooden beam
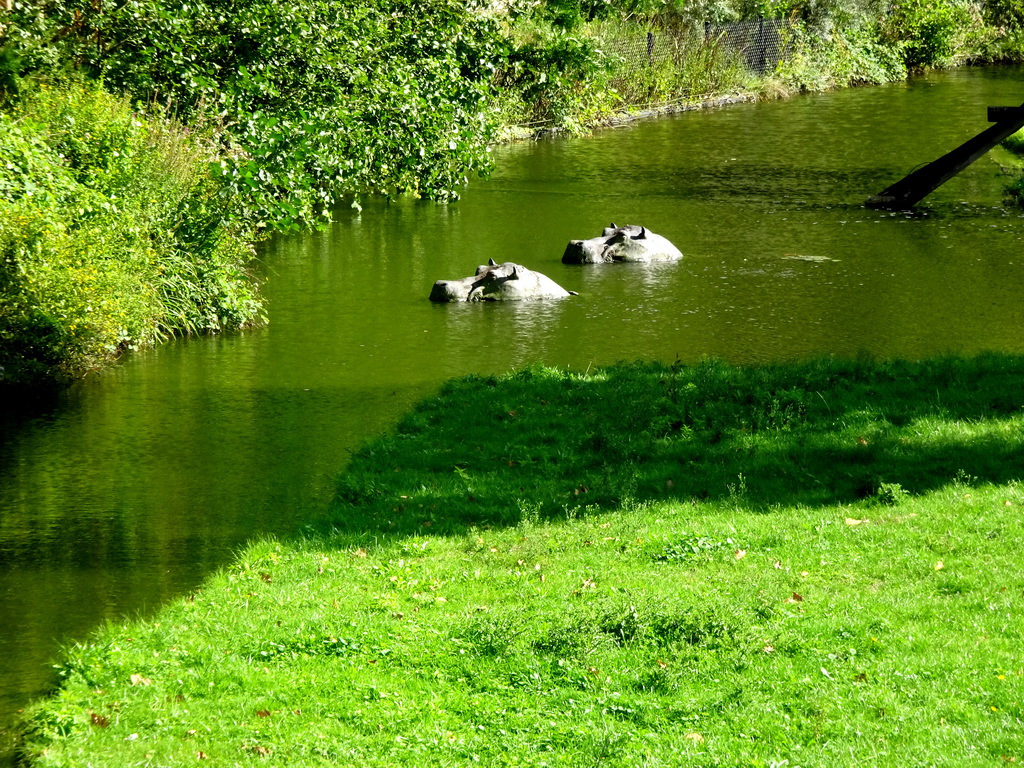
[(910, 190), (998, 114)]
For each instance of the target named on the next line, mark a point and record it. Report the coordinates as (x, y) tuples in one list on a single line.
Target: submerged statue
[(629, 243), (499, 282)]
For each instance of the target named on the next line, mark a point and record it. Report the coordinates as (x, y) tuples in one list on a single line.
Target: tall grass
[(683, 65)]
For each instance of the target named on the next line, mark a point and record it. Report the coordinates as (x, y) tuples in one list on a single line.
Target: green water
[(142, 481)]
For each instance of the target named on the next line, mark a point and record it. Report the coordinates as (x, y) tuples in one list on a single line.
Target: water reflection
[(521, 332)]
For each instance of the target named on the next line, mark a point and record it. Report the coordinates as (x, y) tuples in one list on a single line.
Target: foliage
[(10, 66), (111, 235), (1015, 190), (551, 76), (1014, 168), (926, 31), (315, 99), (569, 14), (118, 229), (891, 493), (683, 63), (827, 44), (1005, 13), (713, 11), (1015, 142), (840, 57), (816, 614)]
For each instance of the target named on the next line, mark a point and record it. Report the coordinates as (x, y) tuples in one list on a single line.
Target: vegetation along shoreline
[(148, 147)]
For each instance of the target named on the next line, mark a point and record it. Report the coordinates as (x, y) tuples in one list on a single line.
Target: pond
[(140, 482)]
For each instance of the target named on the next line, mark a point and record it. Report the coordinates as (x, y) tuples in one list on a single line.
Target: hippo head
[(584, 251), (493, 279), (631, 229), (457, 290), (627, 243)]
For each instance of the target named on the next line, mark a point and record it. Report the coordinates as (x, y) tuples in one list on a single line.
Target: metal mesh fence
[(758, 43), (697, 55)]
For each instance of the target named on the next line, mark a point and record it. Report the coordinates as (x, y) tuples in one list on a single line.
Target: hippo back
[(514, 282)]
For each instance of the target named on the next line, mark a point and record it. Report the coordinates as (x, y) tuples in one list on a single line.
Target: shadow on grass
[(543, 443)]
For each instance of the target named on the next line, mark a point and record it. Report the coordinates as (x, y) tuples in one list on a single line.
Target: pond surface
[(141, 482)]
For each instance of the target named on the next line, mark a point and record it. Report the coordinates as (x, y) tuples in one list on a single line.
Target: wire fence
[(758, 43), (695, 59)]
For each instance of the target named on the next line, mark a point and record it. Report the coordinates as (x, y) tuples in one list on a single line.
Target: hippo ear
[(613, 225), (492, 263), (515, 272), (642, 235)]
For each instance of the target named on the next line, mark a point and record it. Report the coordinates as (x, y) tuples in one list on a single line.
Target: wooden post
[(998, 114), (910, 190)]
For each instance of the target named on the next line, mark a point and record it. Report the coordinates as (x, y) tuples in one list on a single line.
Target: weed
[(891, 494), (689, 548)]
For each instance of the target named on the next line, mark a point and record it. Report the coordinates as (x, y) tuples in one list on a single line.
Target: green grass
[(1015, 142), (649, 565)]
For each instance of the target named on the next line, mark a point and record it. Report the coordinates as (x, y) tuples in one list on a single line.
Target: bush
[(842, 56), (926, 31), (552, 76), (111, 235), (569, 14), (317, 99), (1005, 13)]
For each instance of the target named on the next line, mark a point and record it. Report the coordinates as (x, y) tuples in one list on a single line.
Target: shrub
[(552, 76), (841, 56), (318, 99), (1005, 13), (111, 235), (926, 31)]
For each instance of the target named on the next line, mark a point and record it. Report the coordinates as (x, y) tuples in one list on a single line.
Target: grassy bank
[(575, 63), (652, 565)]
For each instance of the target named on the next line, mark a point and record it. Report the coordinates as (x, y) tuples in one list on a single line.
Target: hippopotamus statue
[(628, 243), (499, 282)]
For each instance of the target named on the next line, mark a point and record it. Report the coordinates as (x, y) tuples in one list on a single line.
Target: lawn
[(646, 565)]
